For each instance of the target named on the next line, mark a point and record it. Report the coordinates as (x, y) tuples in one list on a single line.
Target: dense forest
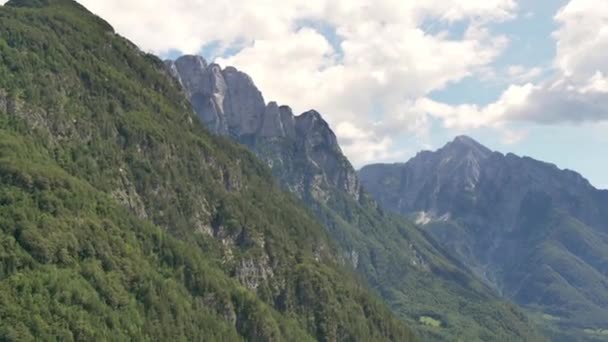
[(122, 218)]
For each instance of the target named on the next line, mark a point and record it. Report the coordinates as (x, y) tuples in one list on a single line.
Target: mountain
[(536, 233), (418, 279), (122, 218), (302, 150)]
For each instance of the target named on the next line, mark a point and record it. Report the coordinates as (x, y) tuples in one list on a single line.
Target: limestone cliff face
[(302, 150)]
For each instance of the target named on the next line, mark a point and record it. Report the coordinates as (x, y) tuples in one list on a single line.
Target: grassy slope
[(87, 121)]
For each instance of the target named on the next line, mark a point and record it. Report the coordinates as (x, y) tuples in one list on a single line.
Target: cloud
[(381, 64), (510, 137), (520, 73), (514, 99), (576, 92), (363, 145), (582, 34)]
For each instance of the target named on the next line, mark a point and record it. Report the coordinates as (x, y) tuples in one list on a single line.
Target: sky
[(393, 77)]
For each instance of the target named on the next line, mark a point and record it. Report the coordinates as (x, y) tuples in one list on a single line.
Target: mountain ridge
[(406, 268), (517, 222)]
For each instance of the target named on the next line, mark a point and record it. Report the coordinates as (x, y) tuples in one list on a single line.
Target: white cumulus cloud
[(576, 92)]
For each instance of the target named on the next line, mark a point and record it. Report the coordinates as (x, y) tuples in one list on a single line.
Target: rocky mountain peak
[(465, 139), (467, 178), (189, 61), (311, 126), (520, 224), (228, 102), (189, 69), (464, 145)]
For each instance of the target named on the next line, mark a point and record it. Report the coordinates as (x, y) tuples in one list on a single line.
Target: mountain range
[(417, 278), (151, 200), (535, 233), (122, 218)]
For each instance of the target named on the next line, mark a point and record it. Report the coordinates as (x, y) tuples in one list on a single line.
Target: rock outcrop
[(228, 103)]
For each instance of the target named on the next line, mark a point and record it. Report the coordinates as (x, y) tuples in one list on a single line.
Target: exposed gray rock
[(319, 143), (272, 124), (244, 105), (128, 197), (464, 175), (534, 232), (254, 272), (228, 103), (205, 87), (288, 121)]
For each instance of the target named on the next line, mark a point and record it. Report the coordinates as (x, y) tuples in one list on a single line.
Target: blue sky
[(574, 146), (393, 77)]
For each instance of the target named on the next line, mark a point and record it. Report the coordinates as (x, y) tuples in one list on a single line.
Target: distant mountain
[(415, 276), (536, 233), (123, 219)]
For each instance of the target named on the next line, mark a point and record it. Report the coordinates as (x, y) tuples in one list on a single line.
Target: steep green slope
[(121, 218), (77, 266), (437, 295)]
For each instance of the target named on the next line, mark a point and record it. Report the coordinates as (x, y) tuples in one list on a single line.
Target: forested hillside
[(122, 218)]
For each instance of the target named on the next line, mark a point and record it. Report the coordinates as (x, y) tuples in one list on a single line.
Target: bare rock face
[(536, 233), (465, 178), (288, 122), (254, 272), (454, 169), (244, 105), (320, 145), (228, 103), (272, 125), (205, 87)]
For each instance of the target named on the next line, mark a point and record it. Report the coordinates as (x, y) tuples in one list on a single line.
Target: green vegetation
[(401, 263), (418, 278), (122, 218), (430, 321)]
